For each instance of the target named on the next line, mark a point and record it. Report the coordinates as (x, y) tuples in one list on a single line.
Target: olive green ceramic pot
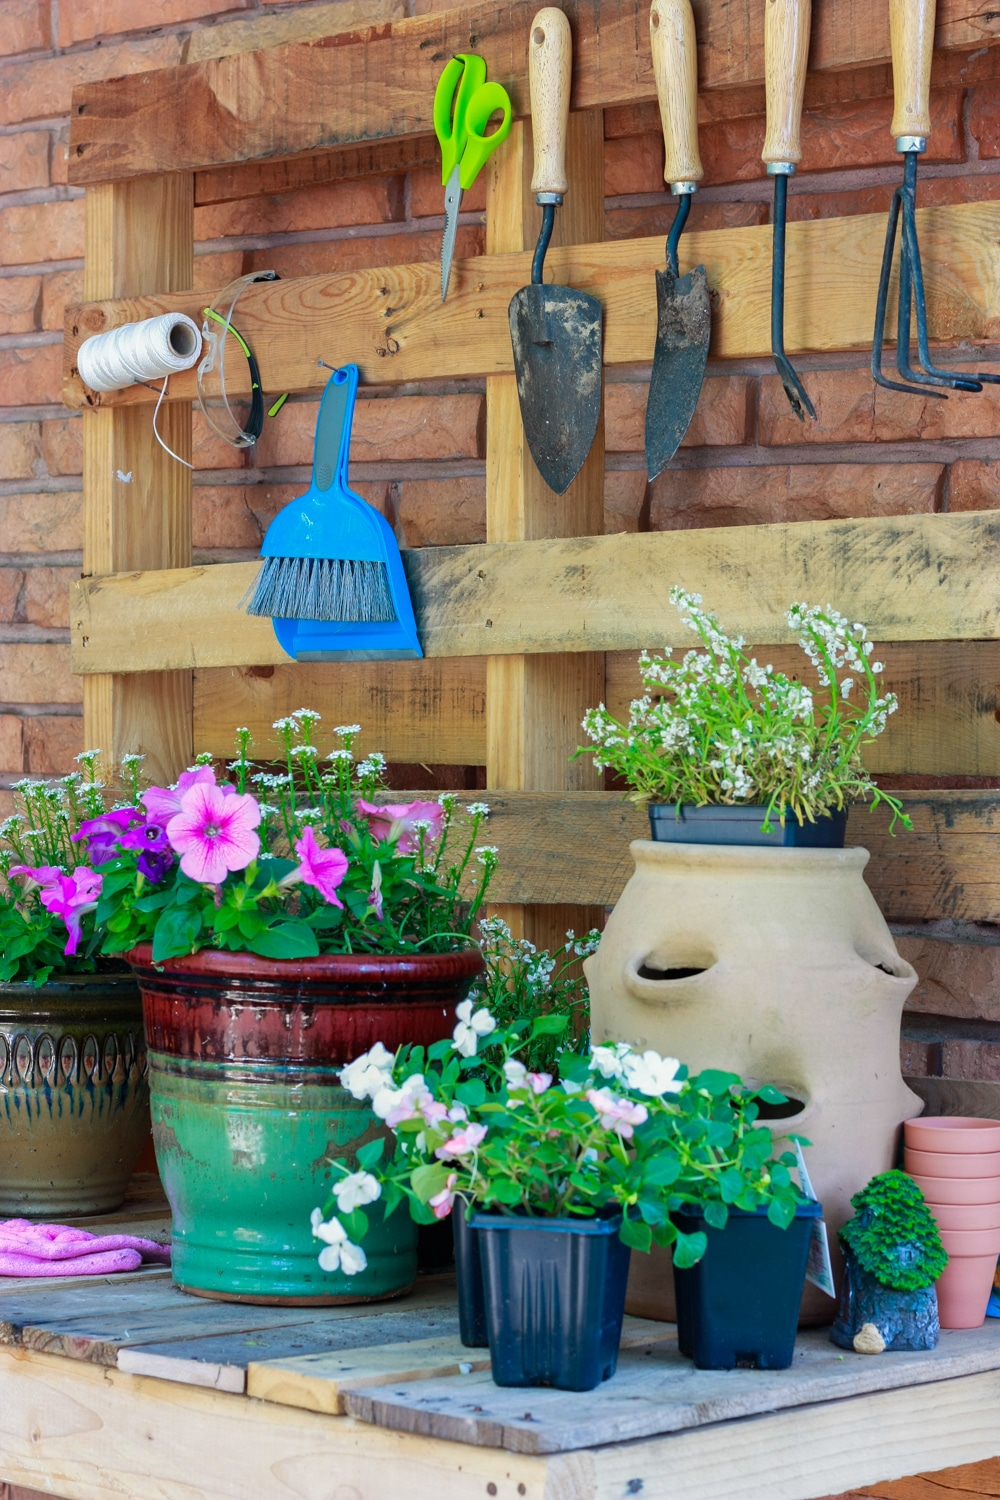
[(74, 1098), (248, 1111)]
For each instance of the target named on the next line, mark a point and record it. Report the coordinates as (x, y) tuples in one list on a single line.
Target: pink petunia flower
[(463, 1142), (375, 894), (214, 832), (36, 875), (394, 822), (443, 1201), (324, 869), (104, 834), (164, 802), (69, 897), (619, 1115)]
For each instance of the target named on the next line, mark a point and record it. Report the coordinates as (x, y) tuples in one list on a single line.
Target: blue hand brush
[(333, 581)]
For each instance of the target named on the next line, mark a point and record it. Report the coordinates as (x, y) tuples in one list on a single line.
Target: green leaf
[(662, 1170), (549, 1025), (716, 1082), (716, 1213), (370, 1153), (471, 1091), (250, 924), (505, 1190), (636, 1234), (689, 1249), (771, 1095), (175, 933), (781, 1211), (285, 940), (429, 1180), (325, 918)]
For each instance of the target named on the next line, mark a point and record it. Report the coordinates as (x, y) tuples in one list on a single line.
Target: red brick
[(59, 164), (720, 416), (62, 445), (427, 194), (51, 743), (340, 256), (11, 745), (24, 26), (41, 231), (850, 408), (441, 512), (11, 584), (19, 300), (31, 377), (684, 498), (41, 523), (37, 674), (20, 452), (956, 979), (41, 90), (972, 485), (656, 219), (217, 270), (967, 1059), (87, 20), (919, 1059), (210, 451), (60, 289), (404, 428), (624, 499), (375, 200), (634, 165), (7, 802), (24, 161), (46, 595), (984, 118), (237, 516)]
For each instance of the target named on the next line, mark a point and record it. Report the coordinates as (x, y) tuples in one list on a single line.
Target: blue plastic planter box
[(469, 1275), (741, 825), (739, 1305), (555, 1298)]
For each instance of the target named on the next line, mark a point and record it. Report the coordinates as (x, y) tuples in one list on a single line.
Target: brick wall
[(418, 451)]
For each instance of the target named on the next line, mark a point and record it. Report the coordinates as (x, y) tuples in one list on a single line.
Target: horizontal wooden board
[(341, 164), (656, 1391), (978, 1097), (379, 81), (391, 322), (928, 577)]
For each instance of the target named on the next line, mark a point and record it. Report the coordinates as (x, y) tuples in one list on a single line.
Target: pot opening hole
[(646, 971), (786, 1111)]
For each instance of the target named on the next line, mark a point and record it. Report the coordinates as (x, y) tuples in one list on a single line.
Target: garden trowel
[(683, 310), (555, 331)]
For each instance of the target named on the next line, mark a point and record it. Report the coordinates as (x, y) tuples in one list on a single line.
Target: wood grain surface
[(390, 320), (277, 103)]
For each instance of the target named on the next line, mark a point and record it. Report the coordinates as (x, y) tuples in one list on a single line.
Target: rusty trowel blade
[(683, 326), (556, 335)]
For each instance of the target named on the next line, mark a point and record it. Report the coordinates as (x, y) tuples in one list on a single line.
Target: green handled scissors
[(463, 105)]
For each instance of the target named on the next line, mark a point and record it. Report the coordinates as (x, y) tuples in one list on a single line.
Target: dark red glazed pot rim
[(466, 962)]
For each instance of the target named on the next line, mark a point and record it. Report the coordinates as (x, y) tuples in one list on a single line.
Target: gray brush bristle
[(321, 588)]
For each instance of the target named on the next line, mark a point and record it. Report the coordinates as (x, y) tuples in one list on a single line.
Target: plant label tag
[(819, 1269)]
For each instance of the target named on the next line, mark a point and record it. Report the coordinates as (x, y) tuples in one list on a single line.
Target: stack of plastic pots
[(955, 1161)]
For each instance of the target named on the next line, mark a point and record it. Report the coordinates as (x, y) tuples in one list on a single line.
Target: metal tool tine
[(794, 389), (912, 270), (881, 305)]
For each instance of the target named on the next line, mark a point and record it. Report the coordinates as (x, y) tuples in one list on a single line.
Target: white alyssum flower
[(355, 1190), (471, 1026), (650, 1074), (338, 1254), (367, 1074)]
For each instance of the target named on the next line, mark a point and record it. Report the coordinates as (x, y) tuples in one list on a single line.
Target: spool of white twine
[(139, 351)]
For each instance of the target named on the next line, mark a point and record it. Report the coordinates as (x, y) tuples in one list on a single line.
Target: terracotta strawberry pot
[(964, 1286), (966, 1215), (953, 1134), (951, 1164), (938, 1190)]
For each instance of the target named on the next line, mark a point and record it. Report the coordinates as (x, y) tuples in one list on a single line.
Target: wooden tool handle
[(675, 68), (911, 29), (550, 62), (786, 52)]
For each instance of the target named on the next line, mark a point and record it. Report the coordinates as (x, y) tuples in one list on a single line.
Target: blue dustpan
[(333, 580)]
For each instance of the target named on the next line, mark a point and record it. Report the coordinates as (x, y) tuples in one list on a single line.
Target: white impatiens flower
[(471, 1026), (607, 1060), (367, 1074), (355, 1190), (396, 1105), (650, 1074), (338, 1254), (515, 1073)]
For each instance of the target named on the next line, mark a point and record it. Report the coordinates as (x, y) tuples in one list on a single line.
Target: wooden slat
[(914, 578), (341, 164), (381, 80), (391, 322), (978, 1097), (434, 711)]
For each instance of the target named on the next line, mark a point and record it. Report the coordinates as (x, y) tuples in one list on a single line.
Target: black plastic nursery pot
[(670, 824), (555, 1298), (469, 1276), (739, 1305)]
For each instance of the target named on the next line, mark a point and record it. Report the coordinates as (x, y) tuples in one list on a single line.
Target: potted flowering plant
[(279, 921), (74, 1098), (564, 1178), (716, 730)]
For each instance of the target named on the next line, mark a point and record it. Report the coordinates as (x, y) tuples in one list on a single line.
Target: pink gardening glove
[(28, 1249)]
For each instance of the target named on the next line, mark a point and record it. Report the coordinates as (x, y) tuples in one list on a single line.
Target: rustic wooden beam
[(379, 81), (911, 578), (391, 321)]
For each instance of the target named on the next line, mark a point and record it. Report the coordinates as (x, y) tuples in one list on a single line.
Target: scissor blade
[(452, 202)]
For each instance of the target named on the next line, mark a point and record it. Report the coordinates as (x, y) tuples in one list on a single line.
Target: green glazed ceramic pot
[(248, 1109), (74, 1098)]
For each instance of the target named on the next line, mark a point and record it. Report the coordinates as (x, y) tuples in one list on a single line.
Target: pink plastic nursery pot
[(966, 1215), (956, 1190), (951, 1164), (952, 1134), (964, 1286)]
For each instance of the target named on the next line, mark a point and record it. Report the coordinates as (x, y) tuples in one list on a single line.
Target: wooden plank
[(86, 1433), (317, 1382), (655, 1391), (977, 1097), (391, 322), (341, 164), (277, 102), (945, 1484), (86, 1297), (912, 578), (137, 499), (434, 711), (14, 1286)]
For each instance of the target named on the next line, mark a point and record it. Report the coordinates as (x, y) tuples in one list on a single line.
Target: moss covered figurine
[(893, 1256)]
